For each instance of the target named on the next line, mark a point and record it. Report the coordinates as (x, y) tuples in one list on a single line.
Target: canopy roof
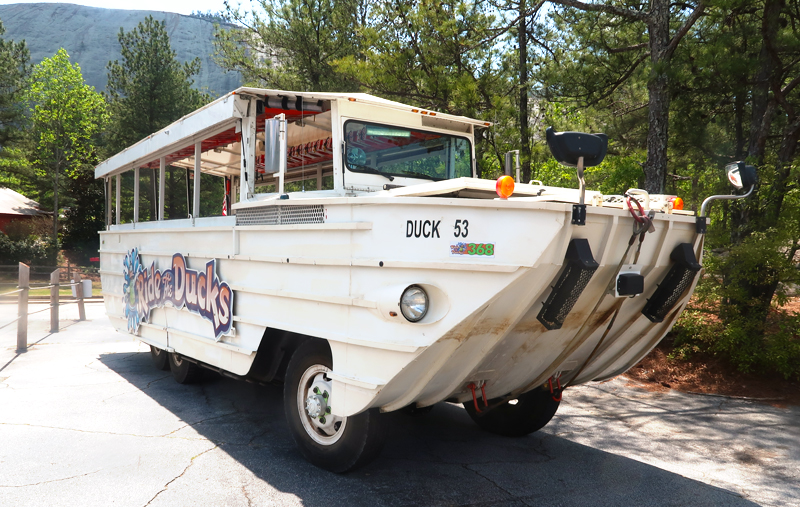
[(216, 126)]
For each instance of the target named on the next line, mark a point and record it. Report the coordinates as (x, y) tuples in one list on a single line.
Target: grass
[(9, 283)]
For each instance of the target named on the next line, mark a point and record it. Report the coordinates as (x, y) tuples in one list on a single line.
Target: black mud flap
[(578, 270), (672, 288)]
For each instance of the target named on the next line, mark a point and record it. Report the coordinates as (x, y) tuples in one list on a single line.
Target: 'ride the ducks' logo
[(201, 292)]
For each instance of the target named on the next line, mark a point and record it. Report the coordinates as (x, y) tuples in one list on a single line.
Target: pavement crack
[(246, 495), (53, 480), (166, 486), (137, 389), (93, 431), (189, 425), (501, 488)]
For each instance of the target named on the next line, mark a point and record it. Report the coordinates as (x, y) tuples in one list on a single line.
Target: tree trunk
[(55, 205), (524, 131), (655, 168)]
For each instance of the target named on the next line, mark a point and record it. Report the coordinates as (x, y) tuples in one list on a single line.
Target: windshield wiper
[(371, 170), (419, 175)]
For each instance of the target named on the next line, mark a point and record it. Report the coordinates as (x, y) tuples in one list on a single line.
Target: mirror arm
[(579, 210), (701, 218)]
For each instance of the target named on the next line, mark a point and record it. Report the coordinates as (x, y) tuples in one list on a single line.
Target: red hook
[(560, 391), (472, 388), (641, 216)]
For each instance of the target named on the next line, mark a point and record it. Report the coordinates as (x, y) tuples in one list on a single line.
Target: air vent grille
[(281, 215)]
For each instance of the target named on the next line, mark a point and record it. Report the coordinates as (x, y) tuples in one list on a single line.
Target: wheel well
[(274, 352)]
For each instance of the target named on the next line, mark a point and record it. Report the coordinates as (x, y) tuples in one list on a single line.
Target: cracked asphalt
[(86, 420)]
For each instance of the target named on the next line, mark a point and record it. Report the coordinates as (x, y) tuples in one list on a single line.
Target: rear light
[(505, 186), (677, 203)]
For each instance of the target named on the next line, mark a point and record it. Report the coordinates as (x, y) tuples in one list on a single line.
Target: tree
[(14, 70), (66, 116), (293, 44), (147, 90), (666, 25)]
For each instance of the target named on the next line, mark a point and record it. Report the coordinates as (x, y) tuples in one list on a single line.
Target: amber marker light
[(677, 203), (505, 186), (351, 99)]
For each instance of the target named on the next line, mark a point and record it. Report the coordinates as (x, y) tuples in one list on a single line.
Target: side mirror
[(741, 175)]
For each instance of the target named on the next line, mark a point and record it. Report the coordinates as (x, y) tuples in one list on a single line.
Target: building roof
[(14, 203)]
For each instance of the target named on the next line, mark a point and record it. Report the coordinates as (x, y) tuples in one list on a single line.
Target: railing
[(23, 289)]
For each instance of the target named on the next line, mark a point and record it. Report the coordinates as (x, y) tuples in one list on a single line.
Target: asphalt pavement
[(86, 420)]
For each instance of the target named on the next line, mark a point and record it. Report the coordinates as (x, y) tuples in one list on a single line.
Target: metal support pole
[(247, 179), (196, 200), (108, 203), (79, 295), (284, 149), (118, 199), (54, 297), (136, 195), (22, 323), (162, 171)]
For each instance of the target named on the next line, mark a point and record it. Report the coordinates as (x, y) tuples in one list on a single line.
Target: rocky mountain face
[(89, 35)]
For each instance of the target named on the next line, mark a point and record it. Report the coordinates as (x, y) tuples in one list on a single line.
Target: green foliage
[(31, 251), (14, 70), (148, 89), (66, 117), (293, 44)]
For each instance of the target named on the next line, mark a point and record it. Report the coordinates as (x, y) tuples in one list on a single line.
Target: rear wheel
[(338, 444), (160, 358), (516, 418), (183, 371)]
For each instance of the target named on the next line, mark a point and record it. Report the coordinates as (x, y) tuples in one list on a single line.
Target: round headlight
[(414, 303)]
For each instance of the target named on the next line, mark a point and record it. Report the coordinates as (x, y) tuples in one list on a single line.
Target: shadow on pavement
[(440, 458)]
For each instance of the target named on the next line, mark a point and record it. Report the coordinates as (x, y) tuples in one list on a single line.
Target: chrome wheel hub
[(314, 402)]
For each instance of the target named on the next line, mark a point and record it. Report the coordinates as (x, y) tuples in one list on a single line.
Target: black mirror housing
[(568, 147)]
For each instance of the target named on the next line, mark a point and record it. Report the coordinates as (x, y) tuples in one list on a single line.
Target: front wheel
[(338, 444), (531, 411)]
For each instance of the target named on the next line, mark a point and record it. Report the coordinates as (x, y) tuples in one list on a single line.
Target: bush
[(40, 251), (738, 342)]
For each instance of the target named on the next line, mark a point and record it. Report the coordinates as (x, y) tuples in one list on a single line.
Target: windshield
[(398, 151)]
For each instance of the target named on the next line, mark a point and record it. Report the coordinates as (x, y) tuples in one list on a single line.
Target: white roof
[(216, 123)]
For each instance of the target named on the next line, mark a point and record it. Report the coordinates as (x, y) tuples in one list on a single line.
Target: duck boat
[(362, 264)]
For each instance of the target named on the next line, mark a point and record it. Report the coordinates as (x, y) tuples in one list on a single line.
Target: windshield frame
[(391, 175)]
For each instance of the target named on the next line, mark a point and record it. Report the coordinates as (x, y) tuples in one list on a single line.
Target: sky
[(179, 6)]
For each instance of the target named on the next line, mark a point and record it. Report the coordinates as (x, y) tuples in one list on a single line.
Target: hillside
[(89, 35)]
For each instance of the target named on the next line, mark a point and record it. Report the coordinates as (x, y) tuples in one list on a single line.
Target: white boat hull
[(338, 277)]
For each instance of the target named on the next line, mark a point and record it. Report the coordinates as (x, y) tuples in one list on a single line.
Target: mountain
[(89, 34)]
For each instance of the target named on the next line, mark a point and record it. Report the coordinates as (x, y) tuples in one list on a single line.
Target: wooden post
[(79, 294), (54, 300), (22, 323)]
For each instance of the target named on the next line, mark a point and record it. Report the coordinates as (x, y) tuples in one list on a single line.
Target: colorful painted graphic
[(201, 292), (461, 248)]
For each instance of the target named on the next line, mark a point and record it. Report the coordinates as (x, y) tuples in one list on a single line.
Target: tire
[(532, 412), (160, 358), (337, 444), (183, 371)]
